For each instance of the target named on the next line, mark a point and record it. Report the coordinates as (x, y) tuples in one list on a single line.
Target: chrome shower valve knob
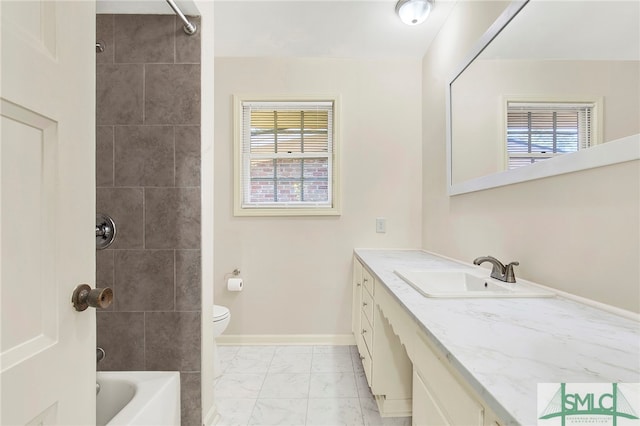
[(105, 231)]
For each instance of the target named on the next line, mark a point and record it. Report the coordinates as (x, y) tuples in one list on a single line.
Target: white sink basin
[(465, 283)]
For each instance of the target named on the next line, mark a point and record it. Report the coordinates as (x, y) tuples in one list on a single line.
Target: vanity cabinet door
[(425, 409), (454, 401)]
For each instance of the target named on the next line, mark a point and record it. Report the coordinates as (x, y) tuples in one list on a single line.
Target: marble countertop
[(505, 347)]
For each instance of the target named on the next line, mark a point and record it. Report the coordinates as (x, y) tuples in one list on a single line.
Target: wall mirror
[(508, 103)]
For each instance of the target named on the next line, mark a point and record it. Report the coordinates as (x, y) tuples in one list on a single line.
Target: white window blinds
[(287, 151), (538, 130)]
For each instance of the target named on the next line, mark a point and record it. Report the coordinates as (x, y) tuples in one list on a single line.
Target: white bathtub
[(138, 398)]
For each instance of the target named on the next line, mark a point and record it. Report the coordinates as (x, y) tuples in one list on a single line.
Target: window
[(286, 157), (538, 131)]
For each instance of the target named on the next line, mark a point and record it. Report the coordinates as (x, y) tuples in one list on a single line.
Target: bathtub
[(138, 398)]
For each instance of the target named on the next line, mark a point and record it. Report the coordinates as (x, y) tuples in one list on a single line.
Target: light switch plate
[(381, 225)]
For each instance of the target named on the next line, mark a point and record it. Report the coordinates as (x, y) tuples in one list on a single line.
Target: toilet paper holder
[(235, 273), (234, 282)]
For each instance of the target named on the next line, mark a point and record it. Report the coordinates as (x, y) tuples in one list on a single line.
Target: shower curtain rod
[(189, 28)]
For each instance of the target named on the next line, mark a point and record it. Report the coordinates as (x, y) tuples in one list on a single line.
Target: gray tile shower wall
[(148, 180)]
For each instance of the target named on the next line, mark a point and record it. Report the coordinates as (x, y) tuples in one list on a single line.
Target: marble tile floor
[(295, 385)]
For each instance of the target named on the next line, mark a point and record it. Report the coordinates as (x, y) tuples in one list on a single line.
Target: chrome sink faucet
[(498, 270)]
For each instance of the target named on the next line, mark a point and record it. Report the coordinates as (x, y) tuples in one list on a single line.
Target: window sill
[(275, 212)]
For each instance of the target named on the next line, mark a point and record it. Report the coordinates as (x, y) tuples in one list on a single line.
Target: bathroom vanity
[(477, 361)]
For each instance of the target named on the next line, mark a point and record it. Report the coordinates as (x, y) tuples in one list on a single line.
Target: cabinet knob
[(364, 331), (364, 303), (361, 358), (358, 284), (366, 280)]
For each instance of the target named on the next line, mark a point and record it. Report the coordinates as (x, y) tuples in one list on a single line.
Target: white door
[(47, 211)]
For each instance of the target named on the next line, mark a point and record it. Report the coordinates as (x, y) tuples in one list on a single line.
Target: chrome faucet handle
[(509, 274)]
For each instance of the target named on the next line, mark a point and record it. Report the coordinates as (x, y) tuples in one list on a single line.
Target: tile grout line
[(264, 379), (144, 92), (144, 218), (113, 283), (176, 25), (360, 399), (113, 156), (144, 340), (306, 413), (355, 382)]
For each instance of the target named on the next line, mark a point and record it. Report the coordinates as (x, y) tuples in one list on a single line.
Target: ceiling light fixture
[(413, 12)]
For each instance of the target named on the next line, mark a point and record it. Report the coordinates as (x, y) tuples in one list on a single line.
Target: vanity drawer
[(367, 364), (367, 333), (367, 306), (366, 336), (455, 402), (367, 281)]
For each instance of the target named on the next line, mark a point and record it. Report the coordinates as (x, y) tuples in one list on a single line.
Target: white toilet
[(221, 318)]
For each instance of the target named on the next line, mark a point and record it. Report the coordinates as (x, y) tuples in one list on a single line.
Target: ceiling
[(305, 28), (371, 29), (321, 28), (571, 30)]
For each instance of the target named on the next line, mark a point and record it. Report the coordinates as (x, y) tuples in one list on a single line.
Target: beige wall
[(297, 271), (577, 232)]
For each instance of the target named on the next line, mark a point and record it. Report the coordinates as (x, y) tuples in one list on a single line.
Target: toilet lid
[(220, 312)]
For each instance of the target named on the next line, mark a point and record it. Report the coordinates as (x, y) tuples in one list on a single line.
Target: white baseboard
[(286, 339)]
